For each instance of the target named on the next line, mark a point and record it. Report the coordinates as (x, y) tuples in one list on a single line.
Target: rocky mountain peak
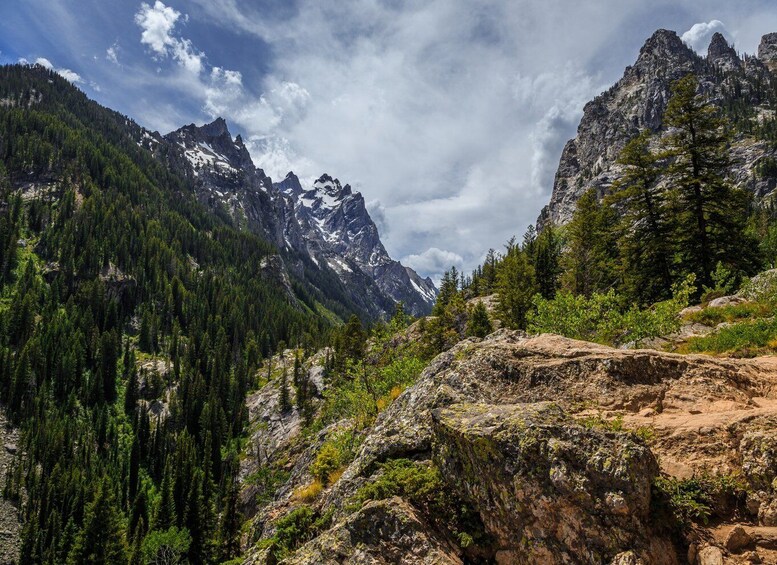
[(767, 51), (723, 55), (211, 146), (331, 187), (290, 185), (217, 128), (663, 48)]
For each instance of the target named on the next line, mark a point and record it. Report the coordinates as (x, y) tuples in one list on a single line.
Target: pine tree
[(101, 539), (515, 286), (590, 261), (479, 324), (645, 224), (545, 258), (710, 215), (449, 286), (284, 402)]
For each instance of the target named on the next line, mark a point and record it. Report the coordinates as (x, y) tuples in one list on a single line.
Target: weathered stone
[(627, 558), (382, 532), (759, 458), (767, 50), (722, 55), (767, 513), (710, 555), (539, 480), (733, 300), (737, 539)]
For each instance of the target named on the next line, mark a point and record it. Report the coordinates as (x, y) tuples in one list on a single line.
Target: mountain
[(324, 227), (743, 87)]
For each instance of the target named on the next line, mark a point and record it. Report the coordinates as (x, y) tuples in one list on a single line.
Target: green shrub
[(267, 480), (698, 498), (418, 482), (166, 546), (744, 339), (715, 316), (601, 318)]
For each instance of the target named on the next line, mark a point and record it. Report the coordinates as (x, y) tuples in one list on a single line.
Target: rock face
[(382, 532), (638, 101), (722, 55), (549, 490), (321, 231), (767, 50), (504, 421)]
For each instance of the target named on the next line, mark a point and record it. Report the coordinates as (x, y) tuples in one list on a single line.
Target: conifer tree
[(515, 286), (710, 215), (590, 261), (545, 258), (449, 286), (101, 539), (284, 402), (479, 324), (645, 224)]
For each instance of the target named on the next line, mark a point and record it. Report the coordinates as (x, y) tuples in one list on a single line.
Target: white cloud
[(112, 53), (450, 117), (442, 112), (700, 34), (158, 24), (434, 262), (67, 74)]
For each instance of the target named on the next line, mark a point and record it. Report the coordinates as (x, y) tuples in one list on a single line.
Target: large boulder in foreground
[(547, 489)]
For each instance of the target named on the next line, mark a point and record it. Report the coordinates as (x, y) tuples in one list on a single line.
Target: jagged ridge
[(325, 227)]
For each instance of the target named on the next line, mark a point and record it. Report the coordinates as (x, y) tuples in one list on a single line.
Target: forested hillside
[(110, 267)]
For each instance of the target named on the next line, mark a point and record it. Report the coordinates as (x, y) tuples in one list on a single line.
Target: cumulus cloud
[(434, 262), (158, 24), (700, 34), (449, 116), (440, 112), (67, 74)]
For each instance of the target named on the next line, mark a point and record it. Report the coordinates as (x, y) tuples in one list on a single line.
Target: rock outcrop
[(638, 101), (767, 51), (507, 421), (550, 490)]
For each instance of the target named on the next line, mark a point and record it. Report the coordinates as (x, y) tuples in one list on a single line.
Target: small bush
[(698, 498), (746, 311), (336, 452), (601, 318), (267, 480), (418, 482), (597, 421), (310, 492), (293, 530)]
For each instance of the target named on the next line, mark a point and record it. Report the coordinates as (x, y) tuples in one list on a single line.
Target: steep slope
[(326, 226), (133, 319), (742, 86)]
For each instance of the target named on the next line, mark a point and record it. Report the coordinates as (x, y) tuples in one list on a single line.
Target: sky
[(449, 116)]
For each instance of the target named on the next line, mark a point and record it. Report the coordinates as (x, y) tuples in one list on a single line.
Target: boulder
[(385, 531), (547, 489), (710, 555), (737, 539), (723, 301)]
